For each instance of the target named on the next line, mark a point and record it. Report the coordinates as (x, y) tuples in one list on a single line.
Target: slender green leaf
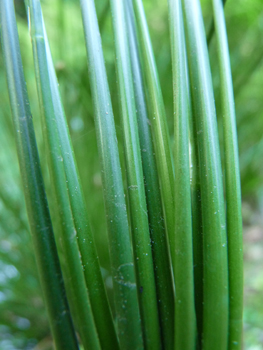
[(89, 256), (158, 120), (215, 307), (233, 191), (197, 229), (185, 330), (37, 207), (163, 277), (65, 183), (125, 291), (135, 182)]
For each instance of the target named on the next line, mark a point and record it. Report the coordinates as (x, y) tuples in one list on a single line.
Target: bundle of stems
[(175, 240)]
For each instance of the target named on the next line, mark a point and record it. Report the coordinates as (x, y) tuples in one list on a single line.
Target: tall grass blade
[(89, 256), (66, 187), (185, 330), (135, 182), (37, 207), (158, 120), (163, 277), (124, 280), (232, 183), (215, 267)]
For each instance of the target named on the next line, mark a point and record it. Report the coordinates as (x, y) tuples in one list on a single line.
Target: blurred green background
[(23, 322)]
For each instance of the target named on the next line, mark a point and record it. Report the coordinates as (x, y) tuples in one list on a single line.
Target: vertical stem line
[(233, 189), (121, 254), (66, 232), (185, 325), (36, 202), (136, 191), (215, 264), (158, 120), (163, 277)]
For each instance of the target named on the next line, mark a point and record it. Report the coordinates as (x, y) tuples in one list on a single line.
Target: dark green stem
[(232, 181), (215, 265), (36, 202), (121, 254), (135, 183), (181, 244), (162, 266)]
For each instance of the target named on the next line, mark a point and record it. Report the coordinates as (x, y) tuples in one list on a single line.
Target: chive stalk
[(215, 264), (232, 183), (85, 239), (60, 164), (135, 182), (181, 244), (36, 202), (163, 277), (158, 120), (121, 254)]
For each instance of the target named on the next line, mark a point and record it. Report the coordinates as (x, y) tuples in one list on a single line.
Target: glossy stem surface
[(135, 182), (121, 253), (163, 276), (232, 181), (37, 207), (56, 145), (85, 239), (158, 120), (181, 244), (215, 264)]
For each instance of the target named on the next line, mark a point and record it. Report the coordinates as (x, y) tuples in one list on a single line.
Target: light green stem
[(232, 180)]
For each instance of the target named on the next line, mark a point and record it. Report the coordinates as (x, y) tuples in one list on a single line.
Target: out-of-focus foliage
[(23, 322)]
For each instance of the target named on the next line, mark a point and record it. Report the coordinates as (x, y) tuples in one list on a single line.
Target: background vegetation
[(23, 322)]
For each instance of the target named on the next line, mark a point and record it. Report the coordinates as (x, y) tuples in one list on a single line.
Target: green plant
[(177, 278)]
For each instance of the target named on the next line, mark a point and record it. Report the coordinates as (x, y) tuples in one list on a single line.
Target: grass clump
[(175, 252)]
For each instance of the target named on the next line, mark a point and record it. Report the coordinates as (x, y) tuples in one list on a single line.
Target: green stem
[(212, 27), (61, 161), (36, 202), (215, 267), (89, 256), (158, 120), (185, 330), (163, 277), (233, 190), (124, 283), (135, 183), (196, 215)]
